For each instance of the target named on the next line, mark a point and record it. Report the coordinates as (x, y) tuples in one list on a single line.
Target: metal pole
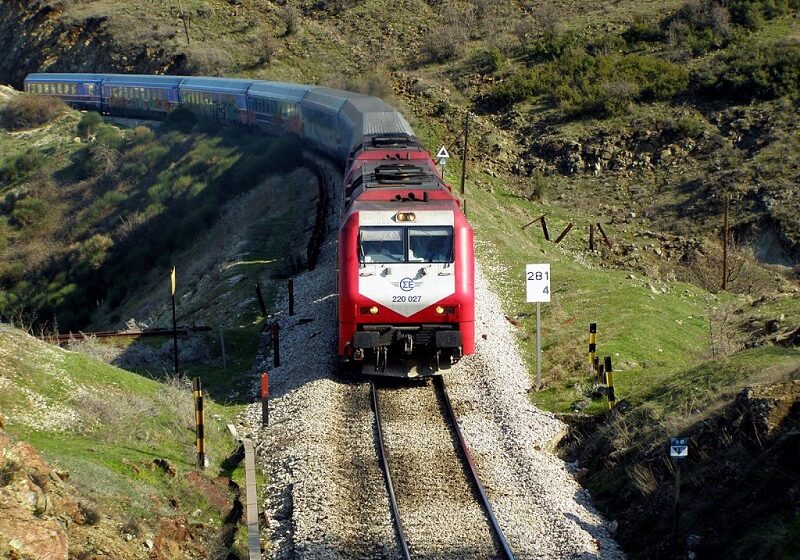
[(676, 504), (174, 335), (725, 245), (222, 345), (199, 423), (538, 345), (185, 24), (464, 161), (260, 298), (265, 399), (291, 296)]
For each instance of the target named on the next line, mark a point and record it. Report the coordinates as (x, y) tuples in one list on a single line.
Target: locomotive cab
[(406, 284)]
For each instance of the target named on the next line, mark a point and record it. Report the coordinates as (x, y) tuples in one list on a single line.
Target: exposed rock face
[(34, 37), (33, 511)]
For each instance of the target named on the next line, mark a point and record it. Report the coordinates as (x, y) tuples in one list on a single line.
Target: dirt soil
[(740, 490), (43, 517)]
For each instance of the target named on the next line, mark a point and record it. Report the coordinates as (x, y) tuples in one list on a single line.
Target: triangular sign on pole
[(442, 153)]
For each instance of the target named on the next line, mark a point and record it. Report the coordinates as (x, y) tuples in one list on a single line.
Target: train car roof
[(225, 85), (142, 80), (443, 203), (328, 99), (65, 78), (280, 90)]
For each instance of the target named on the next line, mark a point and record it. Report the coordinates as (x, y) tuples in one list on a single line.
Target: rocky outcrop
[(34, 509), (39, 36)]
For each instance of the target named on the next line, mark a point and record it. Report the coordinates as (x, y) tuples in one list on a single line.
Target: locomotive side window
[(382, 245), (430, 244)]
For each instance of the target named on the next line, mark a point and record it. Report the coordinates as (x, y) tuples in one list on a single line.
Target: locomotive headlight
[(405, 217), (439, 309), (374, 309)]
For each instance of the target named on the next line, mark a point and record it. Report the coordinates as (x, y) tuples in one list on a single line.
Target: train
[(405, 268)]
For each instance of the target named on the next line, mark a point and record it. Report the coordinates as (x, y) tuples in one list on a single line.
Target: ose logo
[(406, 284)]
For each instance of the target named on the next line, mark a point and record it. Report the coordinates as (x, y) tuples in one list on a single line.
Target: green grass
[(105, 426), (655, 336)]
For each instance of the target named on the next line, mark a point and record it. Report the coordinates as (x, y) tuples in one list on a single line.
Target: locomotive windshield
[(431, 244)]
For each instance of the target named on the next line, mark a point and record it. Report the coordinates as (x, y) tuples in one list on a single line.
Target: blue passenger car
[(140, 96), (322, 123), (275, 106), (220, 99), (79, 90)]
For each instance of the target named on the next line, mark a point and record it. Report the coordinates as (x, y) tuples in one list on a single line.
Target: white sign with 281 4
[(537, 282)]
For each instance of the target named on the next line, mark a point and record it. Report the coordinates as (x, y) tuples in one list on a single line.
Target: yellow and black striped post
[(592, 346), (612, 397), (199, 423)]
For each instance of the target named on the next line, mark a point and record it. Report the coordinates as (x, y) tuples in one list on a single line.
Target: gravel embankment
[(326, 496)]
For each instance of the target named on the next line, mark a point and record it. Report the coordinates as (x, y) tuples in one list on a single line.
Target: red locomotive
[(406, 264)]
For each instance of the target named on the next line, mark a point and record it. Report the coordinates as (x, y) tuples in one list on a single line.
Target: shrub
[(517, 87), (752, 13), (487, 61), (700, 26), (642, 31), (181, 119), (442, 47), (141, 135), (765, 70), (206, 60), (28, 111), (30, 211), (549, 46), (288, 15), (688, 126), (21, 165), (88, 124)]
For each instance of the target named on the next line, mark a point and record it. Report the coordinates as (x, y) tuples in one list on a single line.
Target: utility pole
[(464, 161), (725, 244), (185, 23)]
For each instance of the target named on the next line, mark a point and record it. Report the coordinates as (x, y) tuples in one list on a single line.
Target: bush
[(699, 26), (517, 87), (30, 211), (28, 111), (642, 31), (582, 84), (687, 126), (181, 119), (21, 165), (549, 46), (442, 47), (488, 61), (88, 124), (752, 13), (766, 70), (206, 60)]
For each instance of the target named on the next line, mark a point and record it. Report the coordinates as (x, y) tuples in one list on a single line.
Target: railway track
[(410, 546)]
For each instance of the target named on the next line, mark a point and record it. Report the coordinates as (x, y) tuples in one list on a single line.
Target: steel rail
[(438, 382), (398, 523)]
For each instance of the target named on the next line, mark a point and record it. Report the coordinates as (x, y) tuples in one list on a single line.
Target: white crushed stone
[(326, 496)]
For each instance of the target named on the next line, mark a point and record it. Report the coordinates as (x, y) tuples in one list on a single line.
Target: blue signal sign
[(679, 448)]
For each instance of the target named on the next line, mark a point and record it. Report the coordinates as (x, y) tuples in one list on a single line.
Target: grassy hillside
[(90, 209), (645, 117), (125, 444)]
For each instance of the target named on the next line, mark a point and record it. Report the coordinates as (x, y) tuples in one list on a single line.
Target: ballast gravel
[(325, 495)]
